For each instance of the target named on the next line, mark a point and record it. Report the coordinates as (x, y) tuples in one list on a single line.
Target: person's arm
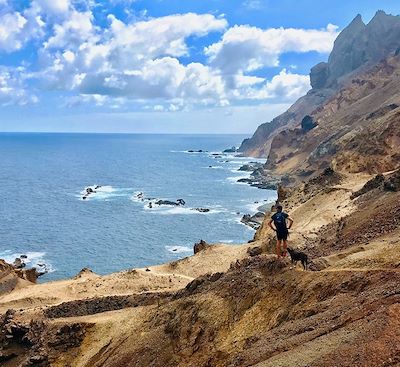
[(271, 226), (290, 220)]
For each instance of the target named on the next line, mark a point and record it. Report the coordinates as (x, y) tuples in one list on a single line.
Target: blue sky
[(162, 66)]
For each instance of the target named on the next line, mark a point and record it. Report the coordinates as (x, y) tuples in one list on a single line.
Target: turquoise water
[(42, 214)]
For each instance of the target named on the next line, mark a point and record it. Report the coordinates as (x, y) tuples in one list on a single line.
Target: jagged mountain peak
[(382, 15), (357, 45), (356, 21)]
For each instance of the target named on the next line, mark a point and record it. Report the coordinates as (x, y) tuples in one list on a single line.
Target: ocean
[(43, 178)]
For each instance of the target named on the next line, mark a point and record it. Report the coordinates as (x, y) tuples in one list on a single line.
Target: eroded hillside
[(224, 307)]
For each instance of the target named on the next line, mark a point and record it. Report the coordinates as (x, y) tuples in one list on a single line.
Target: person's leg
[(284, 247), (278, 248)]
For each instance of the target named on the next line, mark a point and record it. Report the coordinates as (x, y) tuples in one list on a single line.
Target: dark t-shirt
[(280, 221)]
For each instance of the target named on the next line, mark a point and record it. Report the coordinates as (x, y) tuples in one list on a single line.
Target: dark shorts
[(282, 235)]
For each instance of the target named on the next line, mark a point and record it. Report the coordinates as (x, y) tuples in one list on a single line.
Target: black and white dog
[(298, 256)]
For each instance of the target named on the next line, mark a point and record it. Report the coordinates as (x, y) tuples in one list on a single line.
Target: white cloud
[(11, 27), (164, 78), (54, 6), (11, 90), (96, 99), (253, 4), (17, 28), (160, 36), (145, 61), (73, 32), (284, 86), (137, 60), (244, 48)]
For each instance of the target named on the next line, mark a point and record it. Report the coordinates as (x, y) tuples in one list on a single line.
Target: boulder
[(18, 263), (31, 275), (231, 150), (308, 123), (392, 183), (251, 167), (166, 202), (254, 251), (253, 221), (319, 75), (84, 272), (201, 210), (374, 183), (201, 246)]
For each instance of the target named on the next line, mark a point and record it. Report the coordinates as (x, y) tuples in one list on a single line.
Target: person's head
[(279, 208)]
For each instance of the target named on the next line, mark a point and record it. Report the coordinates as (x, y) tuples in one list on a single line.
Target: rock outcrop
[(361, 44), (200, 246)]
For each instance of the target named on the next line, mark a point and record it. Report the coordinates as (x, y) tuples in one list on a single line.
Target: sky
[(162, 66)]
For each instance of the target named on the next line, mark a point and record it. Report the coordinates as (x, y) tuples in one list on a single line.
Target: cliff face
[(260, 143), (357, 129), (357, 48)]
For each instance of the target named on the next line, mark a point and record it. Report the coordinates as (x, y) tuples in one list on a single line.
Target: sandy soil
[(166, 277)]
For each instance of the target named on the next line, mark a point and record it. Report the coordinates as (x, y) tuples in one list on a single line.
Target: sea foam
[(178, 249), (33, 259)]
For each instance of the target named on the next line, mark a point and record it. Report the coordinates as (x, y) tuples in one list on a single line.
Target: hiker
[(280, 219)]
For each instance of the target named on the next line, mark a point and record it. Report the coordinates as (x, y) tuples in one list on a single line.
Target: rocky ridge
[(357, 48)]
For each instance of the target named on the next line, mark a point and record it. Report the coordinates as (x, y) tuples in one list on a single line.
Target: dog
[(298, 256)]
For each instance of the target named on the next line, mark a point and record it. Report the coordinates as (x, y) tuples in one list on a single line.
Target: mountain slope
[(358, 129), (357, 48)]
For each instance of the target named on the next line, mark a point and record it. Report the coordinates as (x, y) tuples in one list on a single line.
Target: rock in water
[(201, 210), (18, 263), (253, 221)]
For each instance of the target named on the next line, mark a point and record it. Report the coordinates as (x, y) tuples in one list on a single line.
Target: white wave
[(226, 241), (241, 173), (138, 197), (33, 259), (238, 220), (181, 210), (179, 249), (104, 192), (187, 151), (234, 179), (215, 167), (213, 153), (260, 206)]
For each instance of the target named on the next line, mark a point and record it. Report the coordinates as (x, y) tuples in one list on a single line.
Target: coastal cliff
[(357, 49), (337, 152)]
